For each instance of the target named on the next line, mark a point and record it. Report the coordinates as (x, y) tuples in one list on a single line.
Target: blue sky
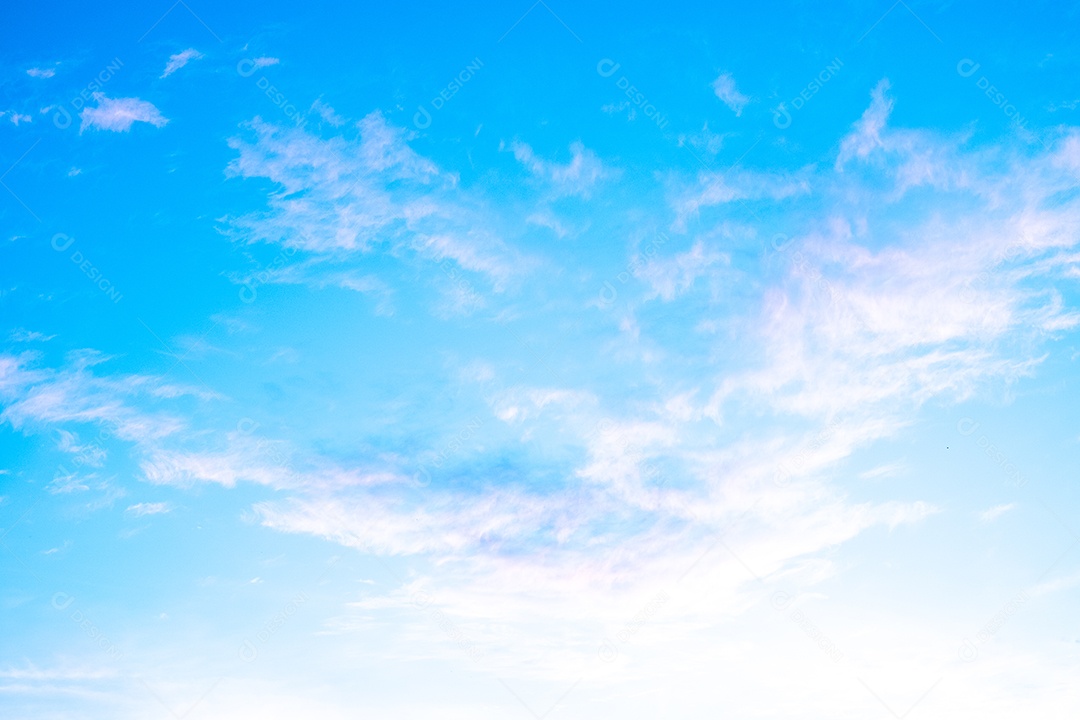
[(500, 361)]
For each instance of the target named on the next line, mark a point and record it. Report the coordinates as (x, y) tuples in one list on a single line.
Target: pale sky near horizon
[(507, 361)]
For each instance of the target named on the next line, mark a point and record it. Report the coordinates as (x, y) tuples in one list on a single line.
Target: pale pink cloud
[(119, 114)]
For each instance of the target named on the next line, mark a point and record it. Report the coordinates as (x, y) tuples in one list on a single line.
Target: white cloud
[(517, 405), (91, 453), (119, 114), (912, 157), (865, 136), (991, 514), (41, 72), (344, 197), (724, 87), (179, 60), (327, 113), (705, 140), (21, 335), (34, 398), (732, 186), (1063, 582), (577, 177), (670, 277), (141, 509), (859, 324), (547, 219)]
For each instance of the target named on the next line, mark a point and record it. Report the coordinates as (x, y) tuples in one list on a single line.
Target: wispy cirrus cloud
[(709, 189), (15, 117), (670, 277), (36, 397), (345, 197), (577, 177), (143, 509), (179, 60), (993, 513), (724, 88), (714, 487)]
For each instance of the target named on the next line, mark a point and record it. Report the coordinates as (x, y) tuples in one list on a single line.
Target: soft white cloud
[(90, 453), (577, 177), (912, 158), (865, 136), (327, 113), (991, 514), (1057, 584), (724, 87), (517, 405), (670, 277), (548, 220), (119, 114), (345, 197), (940, 306), (41, 72), (21, 335), (141, 509), (179, 60), (114, 406), (705, 140), (856, 325), (732, 186)]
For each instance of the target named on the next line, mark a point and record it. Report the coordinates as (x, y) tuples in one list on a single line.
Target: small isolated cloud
[(261, 62), (574, 178), (15, 117), (705, 140), (148, 509), (21, 335), (724, 87), (179, 60), (866, 134), (118, 114), (327, 113), (991, 514), (670, 277), (41, 72)]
